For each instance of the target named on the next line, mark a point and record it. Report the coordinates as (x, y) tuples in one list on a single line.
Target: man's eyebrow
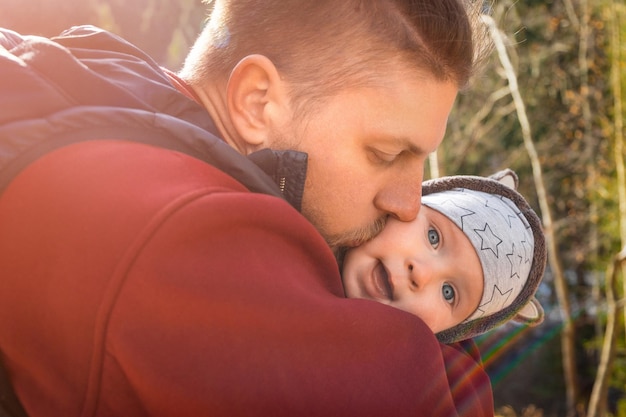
[(411, 147)]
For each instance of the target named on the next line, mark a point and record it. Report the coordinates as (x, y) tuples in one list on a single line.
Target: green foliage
[(570, 106), (621, 408), (544, 48)]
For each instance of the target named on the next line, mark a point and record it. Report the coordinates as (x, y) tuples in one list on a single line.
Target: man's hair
[(323, 46)]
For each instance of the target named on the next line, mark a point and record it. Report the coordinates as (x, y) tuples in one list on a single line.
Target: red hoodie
[(138, 281)]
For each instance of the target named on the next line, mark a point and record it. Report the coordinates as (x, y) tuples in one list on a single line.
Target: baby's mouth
[(383, 285)]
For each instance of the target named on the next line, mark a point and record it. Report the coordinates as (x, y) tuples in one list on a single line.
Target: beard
[(341, 243), (356, 237)]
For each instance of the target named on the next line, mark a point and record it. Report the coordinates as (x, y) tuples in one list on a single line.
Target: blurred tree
[(165, 29), (559, 50), (46, 17), (568, 332)]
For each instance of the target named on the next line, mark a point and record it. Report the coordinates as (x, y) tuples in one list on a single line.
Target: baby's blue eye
[(433, 238), (448, 292)]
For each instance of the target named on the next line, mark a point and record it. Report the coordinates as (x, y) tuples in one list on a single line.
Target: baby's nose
[(419, 274)]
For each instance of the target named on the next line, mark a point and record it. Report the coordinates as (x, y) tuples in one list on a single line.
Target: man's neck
[(213, 98)]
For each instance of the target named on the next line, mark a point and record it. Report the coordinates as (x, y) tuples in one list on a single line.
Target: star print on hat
[(501, 237)]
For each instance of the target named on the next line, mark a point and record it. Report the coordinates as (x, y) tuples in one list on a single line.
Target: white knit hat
[(509, 241), (501, 237)]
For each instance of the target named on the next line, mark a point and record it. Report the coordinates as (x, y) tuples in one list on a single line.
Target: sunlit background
[(563, 138)]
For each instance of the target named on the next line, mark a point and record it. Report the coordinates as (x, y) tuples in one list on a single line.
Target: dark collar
[(287, 169)]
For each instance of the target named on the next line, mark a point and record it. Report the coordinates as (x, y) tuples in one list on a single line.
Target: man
[(151, 265)]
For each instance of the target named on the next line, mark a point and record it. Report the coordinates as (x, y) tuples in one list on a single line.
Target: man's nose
[(402, 198)]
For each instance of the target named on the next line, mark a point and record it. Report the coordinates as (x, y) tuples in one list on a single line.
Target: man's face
[(367, 148)]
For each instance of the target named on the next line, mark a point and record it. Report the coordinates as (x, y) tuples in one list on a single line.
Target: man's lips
[(382, 284)]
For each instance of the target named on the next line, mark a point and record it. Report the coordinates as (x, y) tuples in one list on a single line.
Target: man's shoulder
[(45, 102), (469, 381), (132, 164), (86, 65), (90, 37), (9, 39)]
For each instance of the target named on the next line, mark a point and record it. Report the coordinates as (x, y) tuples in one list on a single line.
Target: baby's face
[(427, 267)]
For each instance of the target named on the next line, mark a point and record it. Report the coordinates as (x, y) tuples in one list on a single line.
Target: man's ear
[(257, 100)]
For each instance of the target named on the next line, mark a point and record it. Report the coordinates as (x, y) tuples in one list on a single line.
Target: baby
[(471, 260)]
